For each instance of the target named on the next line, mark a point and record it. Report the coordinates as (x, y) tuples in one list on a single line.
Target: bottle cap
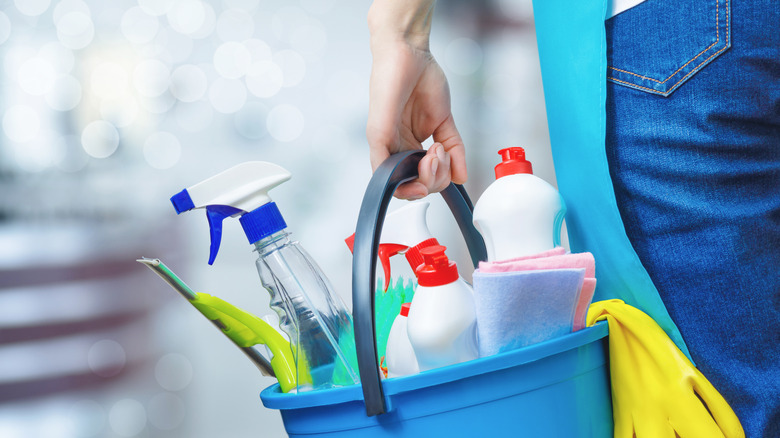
[(262, 222), (413, 255), (513, 162), (405, 309), (437, 269)]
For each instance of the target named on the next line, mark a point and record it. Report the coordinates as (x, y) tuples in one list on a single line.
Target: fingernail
[(434, 166), (441, 153)]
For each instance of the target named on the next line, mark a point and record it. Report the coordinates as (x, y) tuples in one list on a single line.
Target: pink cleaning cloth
[(556, 258)]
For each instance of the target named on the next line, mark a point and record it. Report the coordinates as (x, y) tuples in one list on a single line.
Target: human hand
[(409, 98)]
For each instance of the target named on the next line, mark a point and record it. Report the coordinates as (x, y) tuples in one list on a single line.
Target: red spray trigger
[(351, 243), (387, 250)]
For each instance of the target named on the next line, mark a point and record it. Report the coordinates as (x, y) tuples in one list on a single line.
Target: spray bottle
[(311, 314), (404, 231), (519, 214)]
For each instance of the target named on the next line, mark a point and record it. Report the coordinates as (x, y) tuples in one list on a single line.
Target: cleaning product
[(404, 230), (387, 306), (311, 314), (442, 324), (519, 214), (401, 360), (242, 328)]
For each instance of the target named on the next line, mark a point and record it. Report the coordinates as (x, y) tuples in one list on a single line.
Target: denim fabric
[(697, 181)]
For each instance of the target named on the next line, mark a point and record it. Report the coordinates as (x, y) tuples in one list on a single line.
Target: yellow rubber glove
[(656, 390)]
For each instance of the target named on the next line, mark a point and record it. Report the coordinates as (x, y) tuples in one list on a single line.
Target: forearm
[(406, 21)]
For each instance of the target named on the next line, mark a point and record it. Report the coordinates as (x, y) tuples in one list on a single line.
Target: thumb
[(447, 134)]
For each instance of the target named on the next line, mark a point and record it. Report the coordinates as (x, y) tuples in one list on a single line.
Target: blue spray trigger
[(216, 214)]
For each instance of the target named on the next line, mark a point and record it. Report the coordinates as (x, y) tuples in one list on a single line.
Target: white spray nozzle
[(239, 191)]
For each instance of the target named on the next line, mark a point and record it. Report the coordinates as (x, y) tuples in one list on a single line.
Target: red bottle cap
[(405, 309), (413, 255), (513, 162), (437, 269)]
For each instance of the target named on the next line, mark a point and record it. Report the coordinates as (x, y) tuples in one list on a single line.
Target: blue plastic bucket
[(557, 388)]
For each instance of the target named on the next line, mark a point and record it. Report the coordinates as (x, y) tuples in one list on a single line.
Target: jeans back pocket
[(658, 45)]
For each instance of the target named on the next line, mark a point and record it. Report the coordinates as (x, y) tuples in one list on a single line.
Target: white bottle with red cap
[(401, 360), (519, 214), (442, 325)]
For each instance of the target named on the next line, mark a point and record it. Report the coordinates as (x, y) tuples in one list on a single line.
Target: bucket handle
[(396, 169)]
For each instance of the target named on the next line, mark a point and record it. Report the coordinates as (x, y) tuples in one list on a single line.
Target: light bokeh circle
[(166, 411), (36, 76), (127, 417), (227, 95), (32, 8), (100, 139), (75, 30), (162, 150), (264, 79), (173, 372), (151, 77), (232, 60), (188, 83), (106, 358), (285, 122), (138, 26), (21, 123), (5, 27)]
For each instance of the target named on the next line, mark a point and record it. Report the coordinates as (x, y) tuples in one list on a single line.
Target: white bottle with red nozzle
[(519, 214), (442, 324), (401, 360)]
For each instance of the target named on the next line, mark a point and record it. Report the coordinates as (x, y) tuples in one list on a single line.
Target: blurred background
[(110, 107)]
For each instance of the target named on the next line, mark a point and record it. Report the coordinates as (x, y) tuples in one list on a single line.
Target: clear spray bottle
[(310, 312)]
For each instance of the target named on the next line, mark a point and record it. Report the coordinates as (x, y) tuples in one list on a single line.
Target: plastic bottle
[(404, 231), (519, 214), (401, 360), (442, 325), (314, 318)]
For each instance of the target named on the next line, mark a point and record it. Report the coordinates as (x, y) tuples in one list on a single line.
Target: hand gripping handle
[(397, 169)]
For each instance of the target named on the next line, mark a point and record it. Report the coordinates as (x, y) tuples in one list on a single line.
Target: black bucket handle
[(396, 169)]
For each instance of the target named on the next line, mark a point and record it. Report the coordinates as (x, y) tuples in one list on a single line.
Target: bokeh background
[(110, 107)]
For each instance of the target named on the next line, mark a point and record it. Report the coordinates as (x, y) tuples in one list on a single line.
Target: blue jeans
[(693, 143)]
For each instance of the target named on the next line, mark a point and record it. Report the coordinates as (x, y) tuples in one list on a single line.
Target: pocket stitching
[(695, 69)]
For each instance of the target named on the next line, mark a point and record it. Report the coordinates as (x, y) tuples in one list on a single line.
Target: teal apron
[(573, 55)]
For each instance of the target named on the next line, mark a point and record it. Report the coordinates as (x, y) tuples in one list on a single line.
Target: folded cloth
[(555, 259), (520, 308)]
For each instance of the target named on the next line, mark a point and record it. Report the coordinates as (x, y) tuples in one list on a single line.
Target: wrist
[(400, 21)]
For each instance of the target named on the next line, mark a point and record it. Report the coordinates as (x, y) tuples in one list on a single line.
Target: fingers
[(433, 175), (721, 412), (447, 134)]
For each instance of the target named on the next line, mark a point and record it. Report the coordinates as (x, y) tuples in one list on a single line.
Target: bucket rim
[(273, 398)]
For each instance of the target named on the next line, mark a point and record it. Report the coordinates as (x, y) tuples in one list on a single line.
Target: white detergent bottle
[(519, 214), (401, 360), (442, 325)]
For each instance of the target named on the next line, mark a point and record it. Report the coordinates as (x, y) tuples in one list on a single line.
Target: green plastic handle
[(247, 330)]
